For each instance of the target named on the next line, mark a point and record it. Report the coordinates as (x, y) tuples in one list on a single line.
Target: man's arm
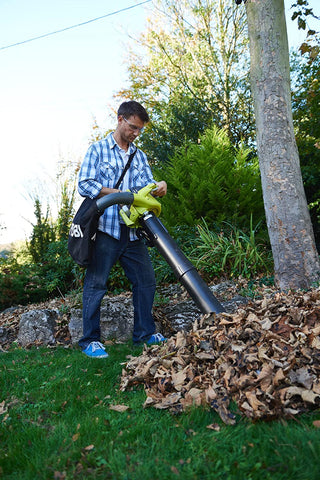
[(106, 191)]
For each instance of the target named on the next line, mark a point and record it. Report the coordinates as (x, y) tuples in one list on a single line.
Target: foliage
[(190, 69), (231, 252), (182, 119), (118, 281), (306, 116), (65, 213), (19, 283), (57, 422), (302, 11), (59, 272), (214, 181), (45, 269), (23, 282), (42, 234)]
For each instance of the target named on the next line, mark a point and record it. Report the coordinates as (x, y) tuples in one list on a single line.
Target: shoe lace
[(157, 337), (96, 346)]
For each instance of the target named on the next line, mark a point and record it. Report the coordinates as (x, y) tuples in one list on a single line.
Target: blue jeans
[(134, 258)]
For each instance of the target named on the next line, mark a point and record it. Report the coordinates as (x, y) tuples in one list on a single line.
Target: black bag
[(83, 230)]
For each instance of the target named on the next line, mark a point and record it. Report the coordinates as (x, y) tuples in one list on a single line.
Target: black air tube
[(183, 269)]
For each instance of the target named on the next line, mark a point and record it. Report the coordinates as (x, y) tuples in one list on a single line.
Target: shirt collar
[(110, 139)]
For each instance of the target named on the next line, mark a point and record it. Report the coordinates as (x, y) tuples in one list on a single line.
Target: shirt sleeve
[(89, 184)]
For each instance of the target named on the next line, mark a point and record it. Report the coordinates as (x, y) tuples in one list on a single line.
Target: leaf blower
[(141, 210)]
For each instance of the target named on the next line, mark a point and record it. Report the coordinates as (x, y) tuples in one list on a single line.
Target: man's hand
[(161, 189)]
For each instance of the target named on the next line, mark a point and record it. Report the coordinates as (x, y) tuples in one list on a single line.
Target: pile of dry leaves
[(266, 358)]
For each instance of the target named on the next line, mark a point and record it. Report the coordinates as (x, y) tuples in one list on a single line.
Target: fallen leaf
[(3, 408), (119, 408), (175, 470), (252, 399), (89, 447), (214, 426), (279, 376)]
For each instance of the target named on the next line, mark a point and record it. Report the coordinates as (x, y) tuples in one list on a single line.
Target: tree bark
[(296, 260)]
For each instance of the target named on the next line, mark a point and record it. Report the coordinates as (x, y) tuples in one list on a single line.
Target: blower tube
[(183, 269), (122, 198)]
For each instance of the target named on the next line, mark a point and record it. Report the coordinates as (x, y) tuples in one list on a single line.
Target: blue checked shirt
[(102, 167)]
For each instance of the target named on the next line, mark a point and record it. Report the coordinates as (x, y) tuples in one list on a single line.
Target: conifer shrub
[(214, 181), (20, 283)]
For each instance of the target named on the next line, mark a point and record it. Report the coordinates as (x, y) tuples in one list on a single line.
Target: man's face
[(130, 127)]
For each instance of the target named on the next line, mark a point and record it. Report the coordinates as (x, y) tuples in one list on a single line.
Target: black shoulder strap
[(126, 168)]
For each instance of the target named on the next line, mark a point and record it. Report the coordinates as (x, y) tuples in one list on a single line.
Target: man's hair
[(131, 108)]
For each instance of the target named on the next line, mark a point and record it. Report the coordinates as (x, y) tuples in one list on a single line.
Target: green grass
[(55, 423)]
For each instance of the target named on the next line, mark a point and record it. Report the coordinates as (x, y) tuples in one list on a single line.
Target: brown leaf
[(89, 448), (3, 408), (309, 396), (316, 387), (214, 426), (168, 401), (175, 470), (181, 339), (178, 379), (279, 376), (244, 381), (265, 377), (316, 343), (210, 394), (59, 475), (193, 397), (253, 401), (118, 408)]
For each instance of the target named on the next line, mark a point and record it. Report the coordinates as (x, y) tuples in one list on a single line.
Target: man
[(101, 168)]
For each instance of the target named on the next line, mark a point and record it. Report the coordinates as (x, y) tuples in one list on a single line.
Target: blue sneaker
[(95, 350), (156, 338)]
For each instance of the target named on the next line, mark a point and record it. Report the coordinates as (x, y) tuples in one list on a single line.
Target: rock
[(37, 326), (116, 320), (3, 335), (181, 315), (232, 305), (181, 312), (10, 309)]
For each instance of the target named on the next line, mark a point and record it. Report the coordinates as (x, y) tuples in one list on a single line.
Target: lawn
[(62, 416)]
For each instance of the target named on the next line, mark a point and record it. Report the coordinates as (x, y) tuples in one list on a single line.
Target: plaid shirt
[(102, 167)]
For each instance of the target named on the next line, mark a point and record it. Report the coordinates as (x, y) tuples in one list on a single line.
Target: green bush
[(117, 281), (231, 252), (19, 283), (23, 282), (214, 181), (58, 270)]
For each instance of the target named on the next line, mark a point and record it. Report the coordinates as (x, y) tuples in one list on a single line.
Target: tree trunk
[(296, 260)]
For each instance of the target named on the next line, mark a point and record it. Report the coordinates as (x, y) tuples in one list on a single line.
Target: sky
[(53, 89)]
